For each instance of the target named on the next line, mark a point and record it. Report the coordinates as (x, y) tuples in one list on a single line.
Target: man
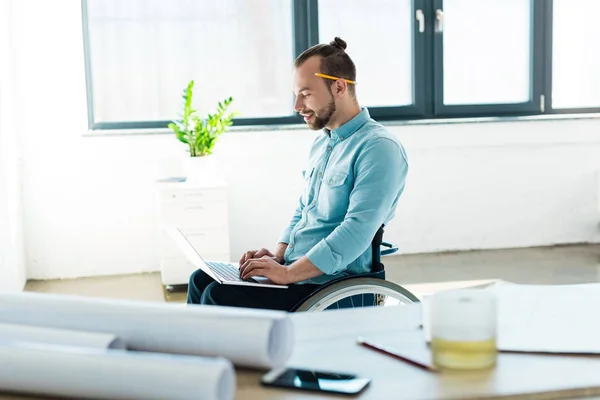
[(355, 175)]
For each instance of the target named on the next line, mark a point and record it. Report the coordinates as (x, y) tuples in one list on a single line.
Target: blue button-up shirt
[(354, 178)]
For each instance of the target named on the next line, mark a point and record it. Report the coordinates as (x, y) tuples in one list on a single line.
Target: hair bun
[(337, 42)]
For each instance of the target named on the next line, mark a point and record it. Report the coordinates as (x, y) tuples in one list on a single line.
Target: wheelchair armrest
[(391, 248)]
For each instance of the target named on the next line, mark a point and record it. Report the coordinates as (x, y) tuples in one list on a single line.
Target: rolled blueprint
[(248, 337), (83, 372), (66, 337)]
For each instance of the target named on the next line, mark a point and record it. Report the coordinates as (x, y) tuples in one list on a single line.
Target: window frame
[(427, 68), (421, 70), (548, 36), (301, 32), (536, 89)]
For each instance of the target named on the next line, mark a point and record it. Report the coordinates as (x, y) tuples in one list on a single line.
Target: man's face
[(313, 100)]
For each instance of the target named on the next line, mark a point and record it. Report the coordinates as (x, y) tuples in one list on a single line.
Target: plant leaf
[(201, 134)]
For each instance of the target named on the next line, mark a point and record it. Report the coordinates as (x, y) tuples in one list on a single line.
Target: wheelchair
[(360, 290)]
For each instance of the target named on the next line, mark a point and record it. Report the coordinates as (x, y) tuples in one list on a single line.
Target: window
[(484, 62), (380, 46), (575, 56), (142, 54), (415, 58), (389, 57)]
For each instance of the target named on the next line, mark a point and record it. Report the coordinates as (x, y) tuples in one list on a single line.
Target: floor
[(421, 274)]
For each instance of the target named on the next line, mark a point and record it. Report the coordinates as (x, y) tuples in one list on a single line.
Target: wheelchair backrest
[(377, 266)]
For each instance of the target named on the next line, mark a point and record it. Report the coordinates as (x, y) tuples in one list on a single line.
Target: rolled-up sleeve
[(380, 176)]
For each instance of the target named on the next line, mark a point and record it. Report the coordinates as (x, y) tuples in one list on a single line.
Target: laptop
[(225, 273)]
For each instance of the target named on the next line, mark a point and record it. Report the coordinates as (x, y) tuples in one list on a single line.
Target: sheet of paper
[(248, 337), (92, 373), (543, 318), (548, 318), (313, 326)]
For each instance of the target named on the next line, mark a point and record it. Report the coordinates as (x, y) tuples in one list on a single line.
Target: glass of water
[(463, 325)]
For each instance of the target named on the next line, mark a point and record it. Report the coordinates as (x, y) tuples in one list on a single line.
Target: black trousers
[(203, 289)]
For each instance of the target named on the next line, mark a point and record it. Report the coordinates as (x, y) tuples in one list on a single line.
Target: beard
[(322, 116)]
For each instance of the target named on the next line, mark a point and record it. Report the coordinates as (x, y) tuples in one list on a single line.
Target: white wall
[(12, 254), (89, 201)]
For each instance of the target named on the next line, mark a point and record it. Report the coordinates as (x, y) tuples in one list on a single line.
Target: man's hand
[(265, 266), (257, 254)]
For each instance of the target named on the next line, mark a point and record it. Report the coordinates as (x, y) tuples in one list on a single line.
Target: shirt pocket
[(334, 196), (335, 179)]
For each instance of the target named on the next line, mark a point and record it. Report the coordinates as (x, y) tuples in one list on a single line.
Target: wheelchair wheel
[(358, 292)]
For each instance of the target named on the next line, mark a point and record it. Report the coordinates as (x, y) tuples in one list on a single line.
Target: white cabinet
[(201, 212)]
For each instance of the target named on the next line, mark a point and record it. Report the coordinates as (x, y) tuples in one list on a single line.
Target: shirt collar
[(344, 131)]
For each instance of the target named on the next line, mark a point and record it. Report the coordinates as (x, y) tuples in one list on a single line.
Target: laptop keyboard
[(227, 272)]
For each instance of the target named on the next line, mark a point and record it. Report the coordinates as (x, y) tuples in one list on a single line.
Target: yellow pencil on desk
[(335, 78)]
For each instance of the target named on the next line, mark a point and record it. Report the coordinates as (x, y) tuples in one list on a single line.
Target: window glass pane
[(144, 52), (575, 54), (486, 51), (380, 45)]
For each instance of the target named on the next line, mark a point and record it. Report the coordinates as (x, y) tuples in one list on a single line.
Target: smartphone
[(319, 381)]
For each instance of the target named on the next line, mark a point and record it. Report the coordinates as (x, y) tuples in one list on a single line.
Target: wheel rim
[(390, 297)]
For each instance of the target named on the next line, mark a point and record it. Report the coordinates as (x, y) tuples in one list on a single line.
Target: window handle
[(439, 19), (421, 19)]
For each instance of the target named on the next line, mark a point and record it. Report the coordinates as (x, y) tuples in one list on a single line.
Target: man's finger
[(256, 271), (251, 265), (242, 267), (262, 252), (245, 265), (246, 256)]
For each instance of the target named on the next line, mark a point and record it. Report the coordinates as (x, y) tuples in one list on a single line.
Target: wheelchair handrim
[(341, 294)]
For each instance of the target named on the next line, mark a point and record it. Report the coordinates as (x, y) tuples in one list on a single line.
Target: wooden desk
[(327, 341)]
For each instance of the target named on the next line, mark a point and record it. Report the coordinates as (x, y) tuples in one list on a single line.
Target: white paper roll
[(83, 372), (247, 337), (66, 337)]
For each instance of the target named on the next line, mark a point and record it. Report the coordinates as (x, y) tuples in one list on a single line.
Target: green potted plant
[(200, 135)]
